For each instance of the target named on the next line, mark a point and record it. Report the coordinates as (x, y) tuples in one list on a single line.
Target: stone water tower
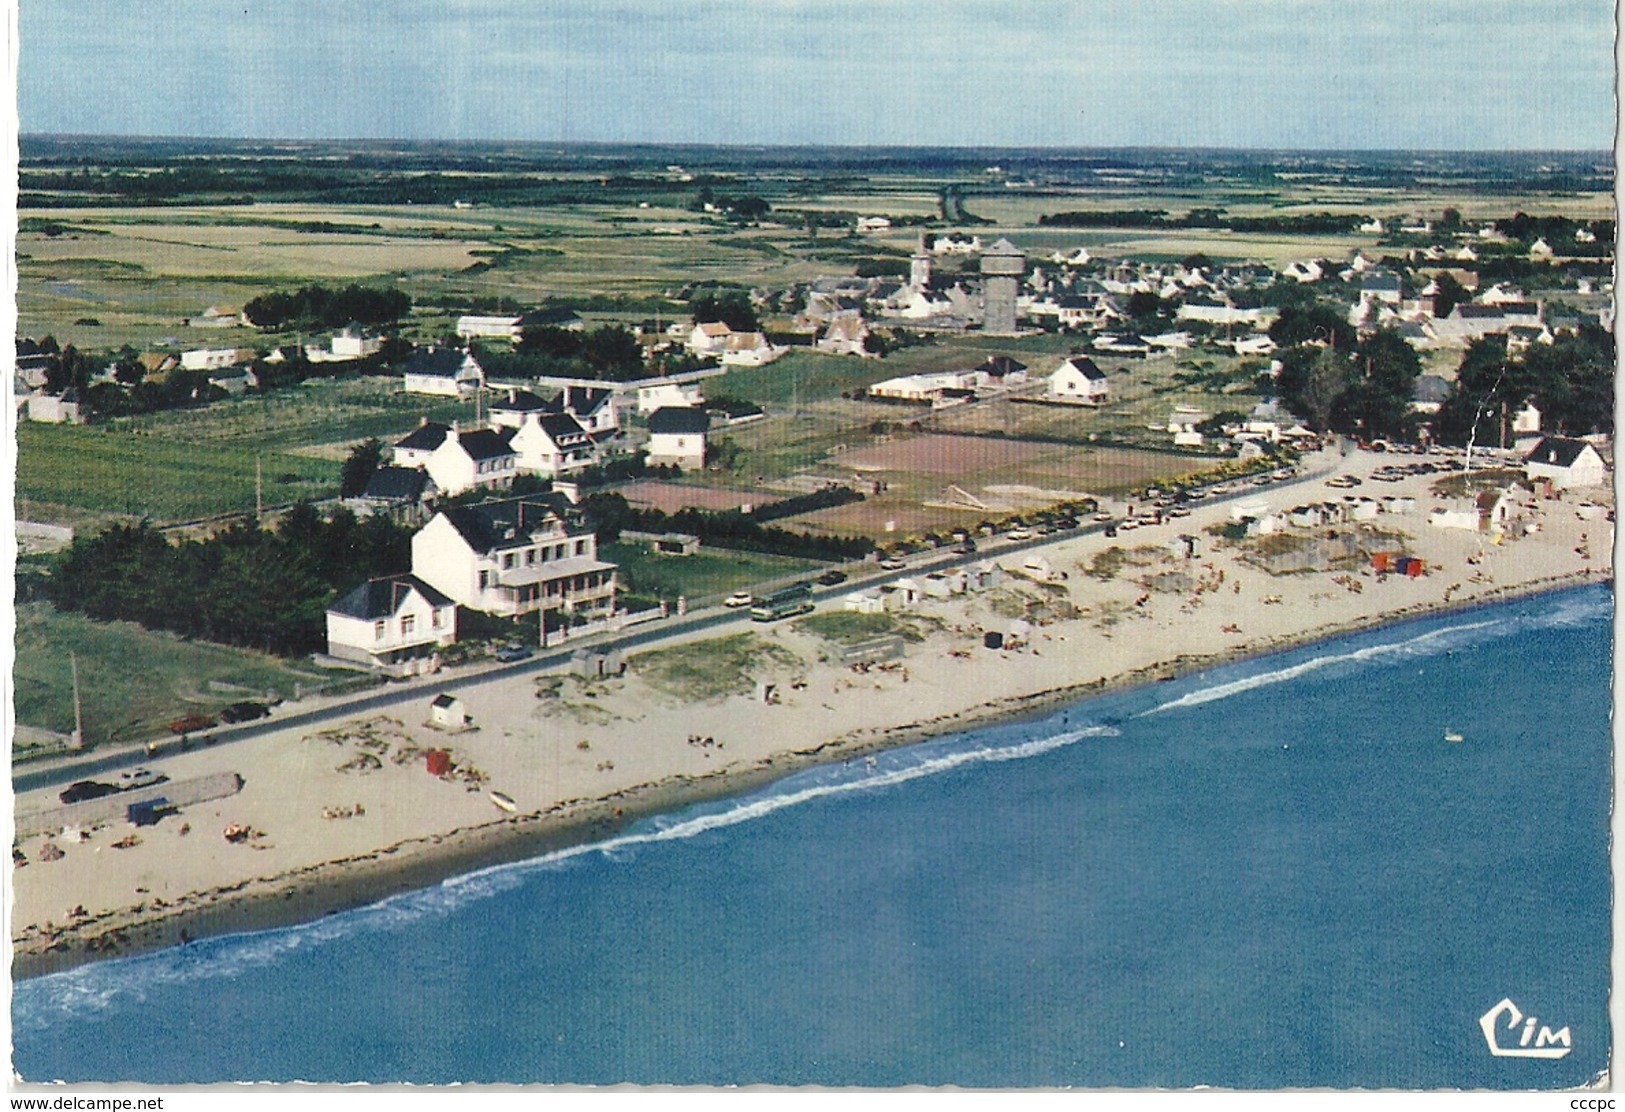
[(919, 267), (1002, 267)]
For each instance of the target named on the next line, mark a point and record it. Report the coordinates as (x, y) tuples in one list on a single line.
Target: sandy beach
[(346, 813)]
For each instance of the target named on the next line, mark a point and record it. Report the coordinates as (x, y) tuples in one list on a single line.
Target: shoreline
[(309, 893)]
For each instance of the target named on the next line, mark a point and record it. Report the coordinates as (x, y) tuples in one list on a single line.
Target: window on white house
[(437, 618), (378, 628), (507, 560), (409, 622), (581, 548), (485, 580)]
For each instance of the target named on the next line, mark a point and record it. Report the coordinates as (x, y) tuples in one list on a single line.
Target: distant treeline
[(320, 307), (1305, 223), (612, 513), (246, 585)]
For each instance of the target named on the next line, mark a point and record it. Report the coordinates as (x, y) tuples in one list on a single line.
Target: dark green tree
[(359, 466)]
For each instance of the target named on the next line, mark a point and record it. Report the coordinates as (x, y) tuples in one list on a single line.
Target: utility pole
[(78, 741), (259, 488)]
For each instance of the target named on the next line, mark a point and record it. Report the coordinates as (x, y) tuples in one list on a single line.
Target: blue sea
[(1275, 873)]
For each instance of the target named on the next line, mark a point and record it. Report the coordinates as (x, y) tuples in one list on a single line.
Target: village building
[(1078, 379), (677, 436), (401, 492), (459, 460), (395, 625), (668, 394), (1564, 463), (747, 349), (1000, 370), (846, 335), (552, 444), (213, 359), (515, 556), (448, 372)]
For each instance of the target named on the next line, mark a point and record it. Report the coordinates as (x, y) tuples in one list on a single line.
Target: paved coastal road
[(65, 770)]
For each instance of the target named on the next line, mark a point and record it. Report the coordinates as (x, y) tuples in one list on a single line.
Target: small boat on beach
[(504, 801), (1452, 735)]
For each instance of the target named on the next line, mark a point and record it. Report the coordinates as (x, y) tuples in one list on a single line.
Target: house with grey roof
[(459, 460), (448, 372), (401, 492), (395, 625), (677, 436), (1079, 379), (516, 556), (1564, 463)]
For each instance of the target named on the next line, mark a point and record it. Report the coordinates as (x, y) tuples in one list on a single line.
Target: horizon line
[(743, 145)]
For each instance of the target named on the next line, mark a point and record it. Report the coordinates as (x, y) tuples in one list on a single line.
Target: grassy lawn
[(320, 417), (705, 671), (846, 627), (133, 681), (709, 572), (153, 474)]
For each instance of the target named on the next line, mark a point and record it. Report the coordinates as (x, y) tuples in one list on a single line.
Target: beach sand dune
[(350, 811)]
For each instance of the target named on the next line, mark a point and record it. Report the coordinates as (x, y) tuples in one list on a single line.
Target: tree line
[(266, 589), (1305, 223), (317, 306)]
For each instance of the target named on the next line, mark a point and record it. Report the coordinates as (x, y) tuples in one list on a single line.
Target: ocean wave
[(1564, 610), (41, 1001)]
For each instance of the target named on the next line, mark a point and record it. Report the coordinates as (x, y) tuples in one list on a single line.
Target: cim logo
[(1544, 1043)]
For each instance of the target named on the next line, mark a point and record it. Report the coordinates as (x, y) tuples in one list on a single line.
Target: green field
[(132, 681), (321, 417), (708, 573), (62, 469)]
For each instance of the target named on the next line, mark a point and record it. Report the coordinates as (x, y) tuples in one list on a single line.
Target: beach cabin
[(447, 712), (870, 601), (1565, 463)]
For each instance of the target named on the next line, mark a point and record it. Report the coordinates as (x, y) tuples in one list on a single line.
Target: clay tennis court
[(941, 455), (671, 497)]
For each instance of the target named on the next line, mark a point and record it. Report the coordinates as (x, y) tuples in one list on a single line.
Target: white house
[(845, 336), (677, 436), (1079, 379), (488, 327), (709, 338), (1304, 271), (1565, 463), (353, 342), (55, 409), (459, 460), (929, 387), (748, 349), (1183, 424), (515, 556), (593, 409), (551, 444), (212, 359), (664, 395), (396, 625), (444, 371)]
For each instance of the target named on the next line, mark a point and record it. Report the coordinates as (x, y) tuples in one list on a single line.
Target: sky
[(1318, 74)]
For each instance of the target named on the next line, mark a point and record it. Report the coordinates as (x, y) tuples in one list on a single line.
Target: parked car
[(832, 578), (893, 564), (737, 599), (513, 651), (245, 712), (139, 778), (1020, 535), (86, 789), (966, 547)]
